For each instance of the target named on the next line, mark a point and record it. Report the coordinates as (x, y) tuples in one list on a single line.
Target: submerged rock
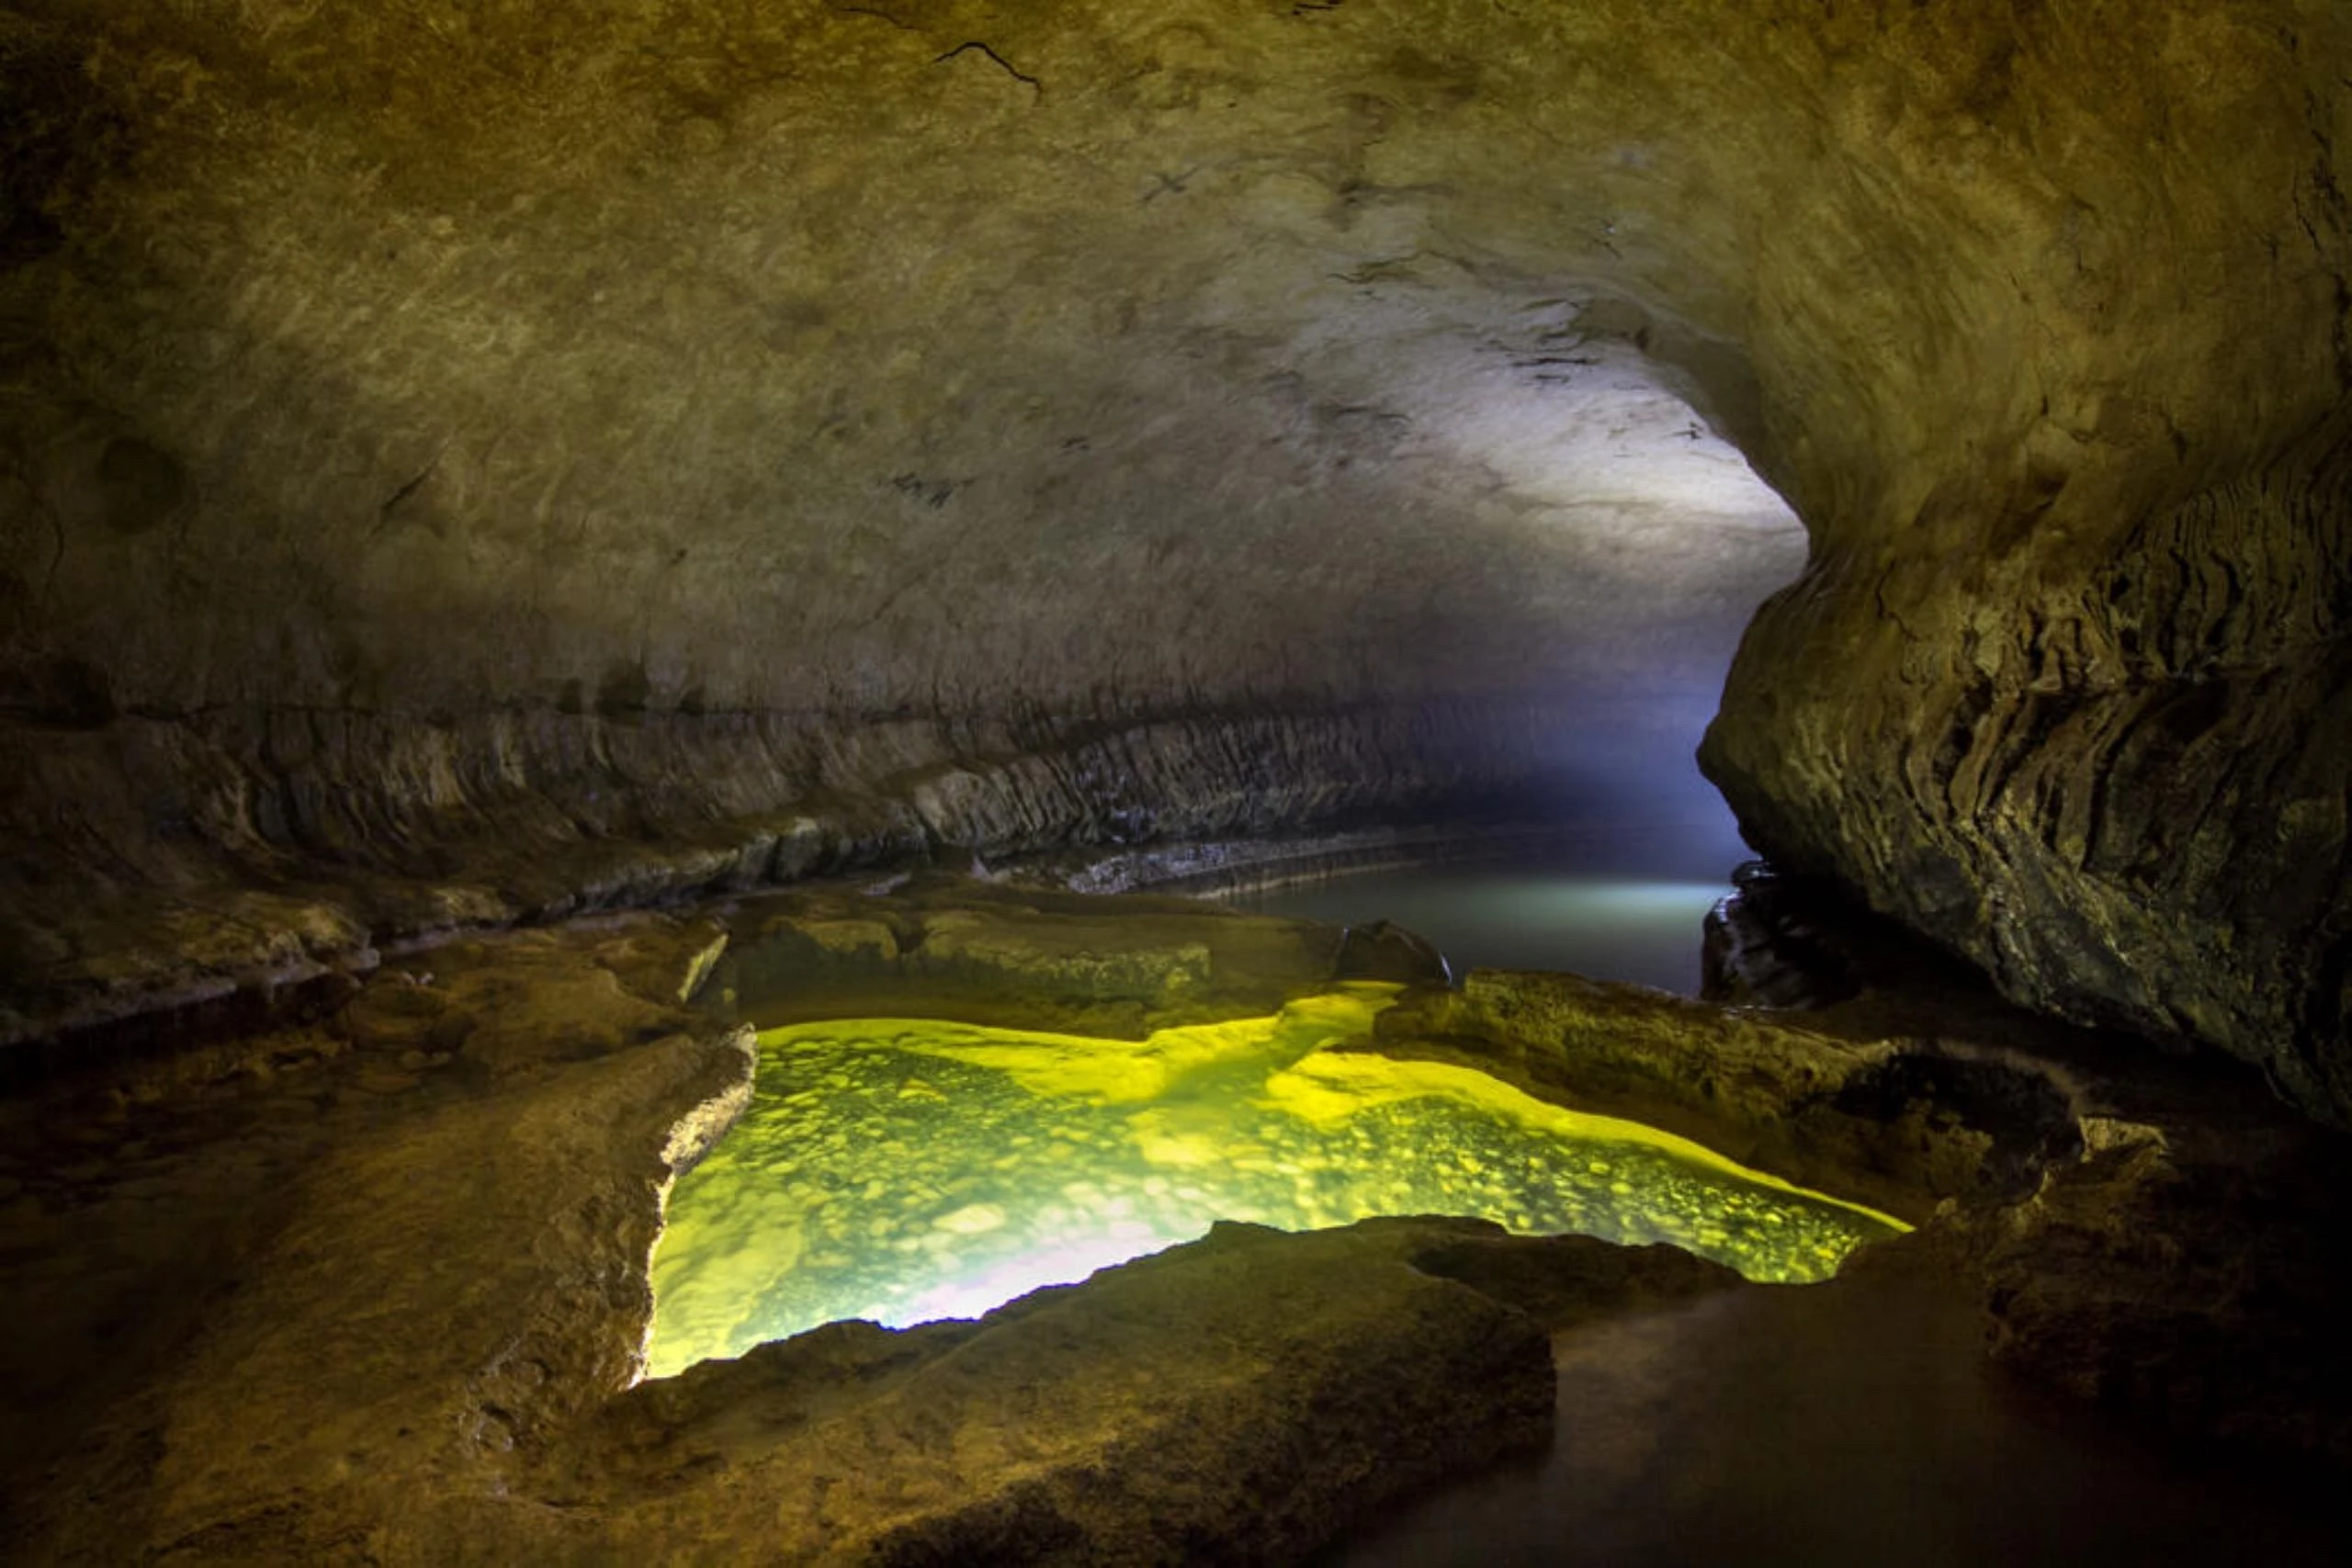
[(938, 945)]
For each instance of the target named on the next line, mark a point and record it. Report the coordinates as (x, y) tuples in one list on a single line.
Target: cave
[(547, 546)]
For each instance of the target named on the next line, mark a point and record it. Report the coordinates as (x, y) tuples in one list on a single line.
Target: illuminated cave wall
[(461, 460)]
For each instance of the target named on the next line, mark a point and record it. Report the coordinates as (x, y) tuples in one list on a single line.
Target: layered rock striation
[(165, 863), (2067, 688)]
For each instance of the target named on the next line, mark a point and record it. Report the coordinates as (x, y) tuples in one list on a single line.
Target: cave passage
[(1605, 902), (1519, 917), (903, 1170)]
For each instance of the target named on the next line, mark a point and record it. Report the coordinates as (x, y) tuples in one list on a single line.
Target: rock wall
[(300, 843), (462, 461), (2069, 694), (2128, 806)]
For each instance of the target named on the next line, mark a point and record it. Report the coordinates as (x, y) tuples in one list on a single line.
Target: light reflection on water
[(903, 1170)]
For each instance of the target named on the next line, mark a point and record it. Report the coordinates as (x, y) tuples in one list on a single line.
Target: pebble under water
[(903, 1170)]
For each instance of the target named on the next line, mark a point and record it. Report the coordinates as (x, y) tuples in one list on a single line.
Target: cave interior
[(540, 539)]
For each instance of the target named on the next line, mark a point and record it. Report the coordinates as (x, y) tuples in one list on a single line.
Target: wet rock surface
[(1241, 1397), (1822, 1107), (937, 945), (300, 1274), (380, 1286), (2159, 1234), (1383, 950)]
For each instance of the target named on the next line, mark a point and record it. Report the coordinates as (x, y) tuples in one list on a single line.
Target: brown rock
[(2157, 1235), (1384, 951)]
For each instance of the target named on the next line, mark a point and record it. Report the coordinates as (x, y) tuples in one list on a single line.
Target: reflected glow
[(904, 1170)]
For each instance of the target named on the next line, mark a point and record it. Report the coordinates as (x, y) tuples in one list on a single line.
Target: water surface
[(902, 1171), (1609, 905)]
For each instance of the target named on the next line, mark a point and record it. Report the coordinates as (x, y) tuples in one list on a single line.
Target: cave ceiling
[(799, 357)]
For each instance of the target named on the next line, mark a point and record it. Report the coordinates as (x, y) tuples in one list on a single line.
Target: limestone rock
[(1384, 951), (1054, 957), (1237, 1397), (414, 1320), (2154, 1234), (302, 1289), (1023, 956), (1899, 1122), (263, 1311)]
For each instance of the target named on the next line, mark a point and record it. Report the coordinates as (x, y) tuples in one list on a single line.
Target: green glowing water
[(903, 1170)]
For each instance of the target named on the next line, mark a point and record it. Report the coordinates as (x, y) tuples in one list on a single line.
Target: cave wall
[(2068, 687), (794, 358), (491, 450)]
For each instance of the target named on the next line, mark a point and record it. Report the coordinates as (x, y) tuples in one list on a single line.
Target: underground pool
[(905, 1170)]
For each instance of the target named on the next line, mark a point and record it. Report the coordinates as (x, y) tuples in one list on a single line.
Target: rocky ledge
[(2159, 1234), (304, 857), (376, 1287)]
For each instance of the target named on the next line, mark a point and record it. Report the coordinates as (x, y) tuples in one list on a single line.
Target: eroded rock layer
[(2123, 793), (302, 841), (2065, 685)]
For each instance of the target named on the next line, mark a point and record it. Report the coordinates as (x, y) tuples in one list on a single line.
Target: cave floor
[(370, 1287)]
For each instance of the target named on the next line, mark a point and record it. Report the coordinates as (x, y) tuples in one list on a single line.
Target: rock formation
[(2065, 684), (460, 463), (2157, 1235)]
